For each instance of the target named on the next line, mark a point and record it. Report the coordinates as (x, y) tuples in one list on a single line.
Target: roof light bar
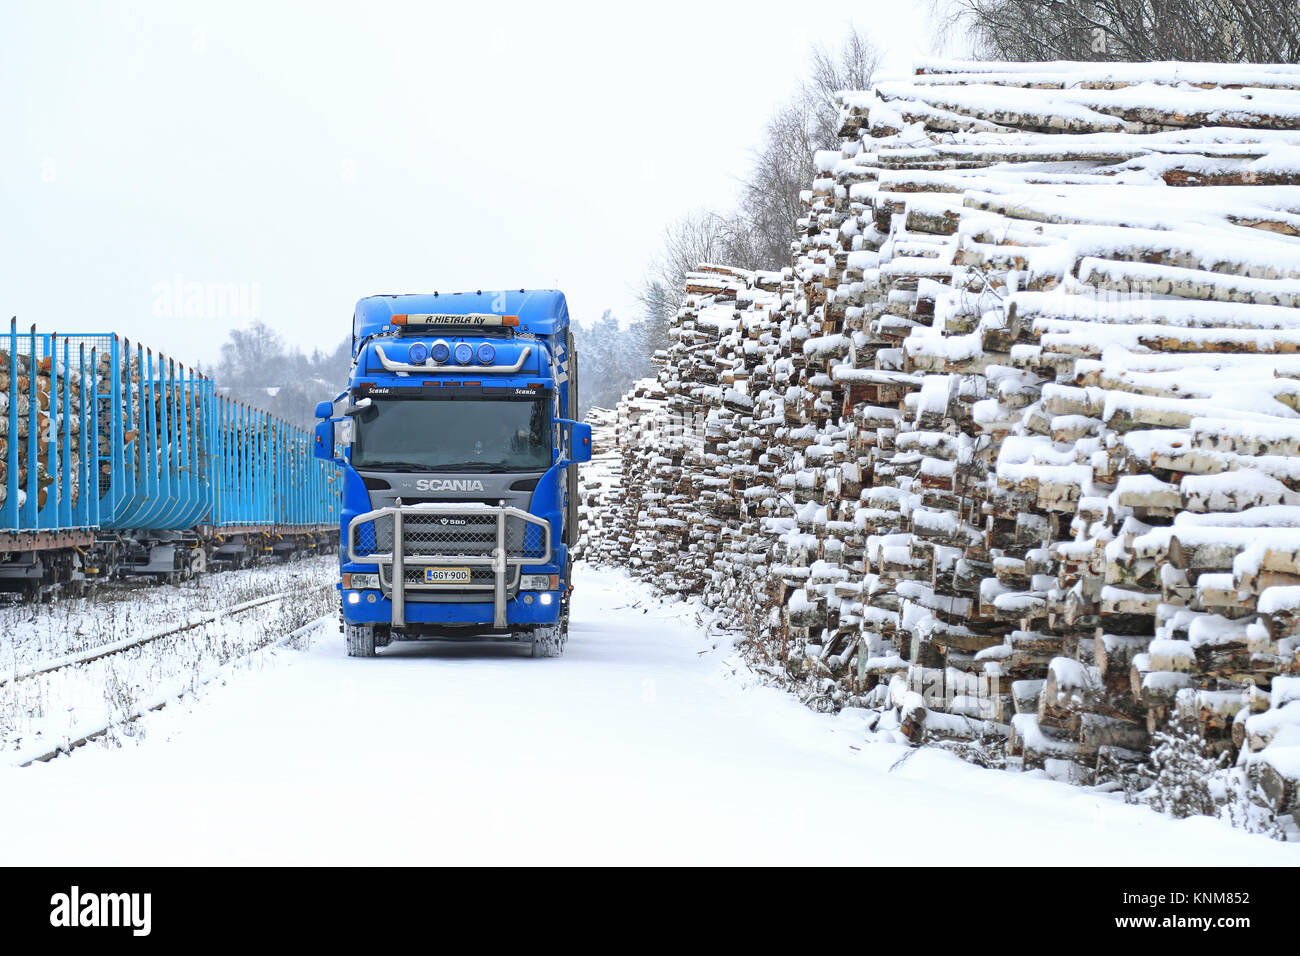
[(430, 368)]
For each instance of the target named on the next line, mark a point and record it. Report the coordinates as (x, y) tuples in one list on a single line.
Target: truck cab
[(459, 450)]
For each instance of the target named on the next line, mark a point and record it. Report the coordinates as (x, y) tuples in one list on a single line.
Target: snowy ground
[(39, 713), (30, 632), (643, 744)]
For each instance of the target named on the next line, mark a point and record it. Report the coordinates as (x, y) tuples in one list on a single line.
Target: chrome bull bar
[(498, 557)]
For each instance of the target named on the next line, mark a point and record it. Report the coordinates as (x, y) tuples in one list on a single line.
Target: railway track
[(117, 647), (157, 701)]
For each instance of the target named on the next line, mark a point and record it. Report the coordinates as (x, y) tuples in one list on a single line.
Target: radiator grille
[(449, 535)]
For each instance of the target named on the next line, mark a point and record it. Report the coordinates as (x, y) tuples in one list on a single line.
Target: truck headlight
[(539, 582), (359, 581)]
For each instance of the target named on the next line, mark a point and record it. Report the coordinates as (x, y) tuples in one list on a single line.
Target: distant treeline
[(259, 368), (610, 359)]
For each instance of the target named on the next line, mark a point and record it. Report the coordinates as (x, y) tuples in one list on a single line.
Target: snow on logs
[(1012, 450)]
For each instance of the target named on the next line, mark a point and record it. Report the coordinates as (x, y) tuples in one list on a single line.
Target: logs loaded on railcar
[(118, 462)]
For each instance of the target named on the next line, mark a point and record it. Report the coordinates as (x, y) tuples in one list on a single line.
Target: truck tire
[(361, 640), (549, 641)]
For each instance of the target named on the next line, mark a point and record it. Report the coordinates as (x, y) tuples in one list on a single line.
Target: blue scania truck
[(459, 450)]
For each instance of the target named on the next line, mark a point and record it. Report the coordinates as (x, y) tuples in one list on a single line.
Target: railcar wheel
[(361, 640)]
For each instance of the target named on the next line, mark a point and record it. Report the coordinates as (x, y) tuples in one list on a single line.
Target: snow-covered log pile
[(601, 480), (614, 488), (1015, 445)]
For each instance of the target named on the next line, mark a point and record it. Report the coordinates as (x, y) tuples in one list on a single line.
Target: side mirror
[(322, 445), (580, 442), (325, 410)]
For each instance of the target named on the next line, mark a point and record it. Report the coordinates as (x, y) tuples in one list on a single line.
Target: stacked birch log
[(1012, 451), (600, 480), (171, 398), (613, 484), (19, 393)]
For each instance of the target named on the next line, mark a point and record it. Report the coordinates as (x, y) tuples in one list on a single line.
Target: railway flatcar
[(116, 462)]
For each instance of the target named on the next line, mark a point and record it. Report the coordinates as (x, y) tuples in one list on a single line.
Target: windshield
[(396, 434)]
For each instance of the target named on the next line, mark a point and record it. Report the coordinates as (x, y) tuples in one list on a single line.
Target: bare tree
[(849, 67), (697, 237), (782, 169), (258, 368), (783, 164), (656, 317), (1226, 31), (760, 233)]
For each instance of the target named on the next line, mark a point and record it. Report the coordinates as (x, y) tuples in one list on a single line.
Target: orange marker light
[(398, 320)]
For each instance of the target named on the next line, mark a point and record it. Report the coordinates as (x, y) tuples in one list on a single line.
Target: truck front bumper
[(430, 535), (476, 614)]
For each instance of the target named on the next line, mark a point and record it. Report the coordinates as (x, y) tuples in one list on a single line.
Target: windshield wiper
[(394, 466), (465, 466), (476, 466)]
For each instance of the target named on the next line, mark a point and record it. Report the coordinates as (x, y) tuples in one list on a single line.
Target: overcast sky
[(282, 160)]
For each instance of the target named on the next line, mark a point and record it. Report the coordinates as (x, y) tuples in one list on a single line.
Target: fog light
[(354, 597), (370, 598), (528, 599), (546, 599)]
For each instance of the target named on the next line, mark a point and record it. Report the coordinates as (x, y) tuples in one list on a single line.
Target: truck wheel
[(361, 640), (548, 641)]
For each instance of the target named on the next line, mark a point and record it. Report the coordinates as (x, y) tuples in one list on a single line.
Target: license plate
[(446, 575)]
